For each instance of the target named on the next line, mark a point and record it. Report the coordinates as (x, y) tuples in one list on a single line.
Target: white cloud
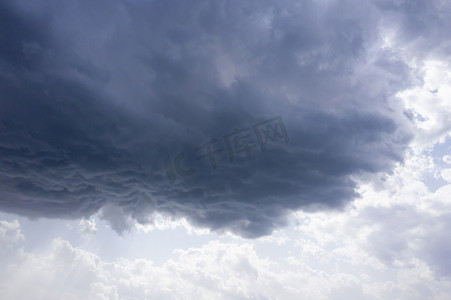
[(162, 222), (446, 174), (87, 227), (337, 258), (430, 103), (10, 234)]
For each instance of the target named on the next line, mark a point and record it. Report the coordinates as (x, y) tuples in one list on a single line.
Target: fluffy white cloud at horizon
[(95, 96)]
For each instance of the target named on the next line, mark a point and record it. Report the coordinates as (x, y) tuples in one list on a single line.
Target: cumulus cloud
[(222, 271), (9, 235), (401, 226), (233, 270), (87, 227), (99, 99)]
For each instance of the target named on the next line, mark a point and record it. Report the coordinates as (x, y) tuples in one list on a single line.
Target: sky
[(204, 149)]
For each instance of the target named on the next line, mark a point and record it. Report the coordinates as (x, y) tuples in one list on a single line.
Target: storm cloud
[(97, 100)]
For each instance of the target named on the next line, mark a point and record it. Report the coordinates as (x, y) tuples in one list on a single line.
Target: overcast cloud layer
[(95, 97)]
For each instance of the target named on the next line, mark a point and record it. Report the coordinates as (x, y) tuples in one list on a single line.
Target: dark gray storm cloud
[(104, 105)]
